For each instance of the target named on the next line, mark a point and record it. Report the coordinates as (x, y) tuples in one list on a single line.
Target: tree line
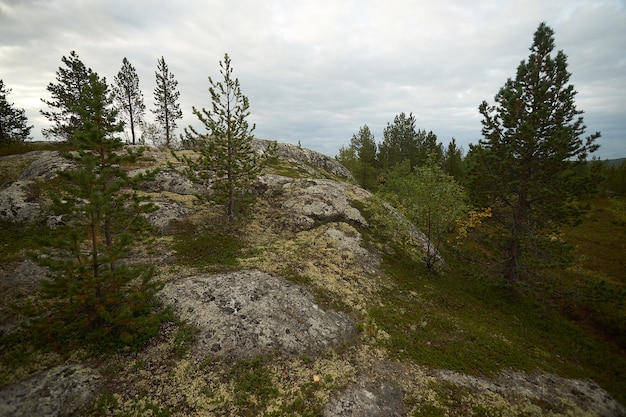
[(531, 171)]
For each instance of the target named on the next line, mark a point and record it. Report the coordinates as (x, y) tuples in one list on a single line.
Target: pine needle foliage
[(93, 295), (227, 162), (14, 127), (531, 167)]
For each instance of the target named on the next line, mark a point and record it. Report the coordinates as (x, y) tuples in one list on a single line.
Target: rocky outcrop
[(60, 391), (307, 202), (18, 202), (251, 313), (315, 164)]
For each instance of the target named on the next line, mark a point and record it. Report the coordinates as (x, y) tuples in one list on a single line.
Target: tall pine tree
[(129, 97), (13, 121), (93, 295), (531, 166), (166, 97), (66, 93), (226, 151)]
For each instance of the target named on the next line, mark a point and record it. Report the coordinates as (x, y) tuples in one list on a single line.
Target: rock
[(251, 313), (170, 180), (60, 391), (17, 202), (18, 205), (45, 166), (573, 395), (367, 400), (167, 212), (314, 163), (310, 201)]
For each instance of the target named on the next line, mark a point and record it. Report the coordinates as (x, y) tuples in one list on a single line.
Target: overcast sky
[(315, 71)]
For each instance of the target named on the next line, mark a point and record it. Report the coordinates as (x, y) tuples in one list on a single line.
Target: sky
[(315, 71)]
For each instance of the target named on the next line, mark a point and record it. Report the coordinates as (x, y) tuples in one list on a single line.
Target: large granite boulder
[(60, 391), (251, 313)]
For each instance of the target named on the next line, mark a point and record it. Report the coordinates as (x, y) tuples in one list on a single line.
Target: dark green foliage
[(364, 150), (129, 97), (213, 249), (65, 98), (227, 163), (14, 127), (94, 296), (402, 142), (166, 97), (253, 386), (452, 163), (531, 166), (430, 199)]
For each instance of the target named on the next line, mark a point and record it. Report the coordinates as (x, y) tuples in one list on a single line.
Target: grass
[(213, 250), (463, 321)]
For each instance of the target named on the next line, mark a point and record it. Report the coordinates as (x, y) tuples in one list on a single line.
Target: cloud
[(316, 71)]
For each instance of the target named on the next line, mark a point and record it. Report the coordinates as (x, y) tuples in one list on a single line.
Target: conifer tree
[(65, 97), (360, 157), (531, 165), (226, 151), (129, 97), (452, 163), (93, 296), (13, 121), (166, 97)]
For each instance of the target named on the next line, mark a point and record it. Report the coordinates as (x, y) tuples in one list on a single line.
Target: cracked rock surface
[(59, 391), (250, 313)]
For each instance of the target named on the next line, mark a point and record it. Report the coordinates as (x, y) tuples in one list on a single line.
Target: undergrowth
[(467, 321)]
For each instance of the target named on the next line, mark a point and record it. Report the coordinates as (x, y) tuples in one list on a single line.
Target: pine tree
[(399, 142), (13, 121), (453, 160), (531, 166), (226, 151), (129, 97), (93, 296), (166, 101), (65, 97), (360, 157)]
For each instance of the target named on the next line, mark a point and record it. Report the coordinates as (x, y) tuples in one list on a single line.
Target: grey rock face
[(17, 204), (543, 386), (46, 166), (250, 313), (367, 400), (170, 180), (166, 213), (307, 201), (60, 391), (308, 159)]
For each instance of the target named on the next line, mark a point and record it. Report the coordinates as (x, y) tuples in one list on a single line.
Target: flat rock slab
[(250, 313), (60, 391), (368, 400)]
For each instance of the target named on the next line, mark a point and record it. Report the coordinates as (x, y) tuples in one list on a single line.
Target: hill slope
[(321, 306)]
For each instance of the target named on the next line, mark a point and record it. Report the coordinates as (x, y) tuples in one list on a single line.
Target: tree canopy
[(13, 121), (167, 108), (128, 96), (226, 152), (66, 93), (531, 165)]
